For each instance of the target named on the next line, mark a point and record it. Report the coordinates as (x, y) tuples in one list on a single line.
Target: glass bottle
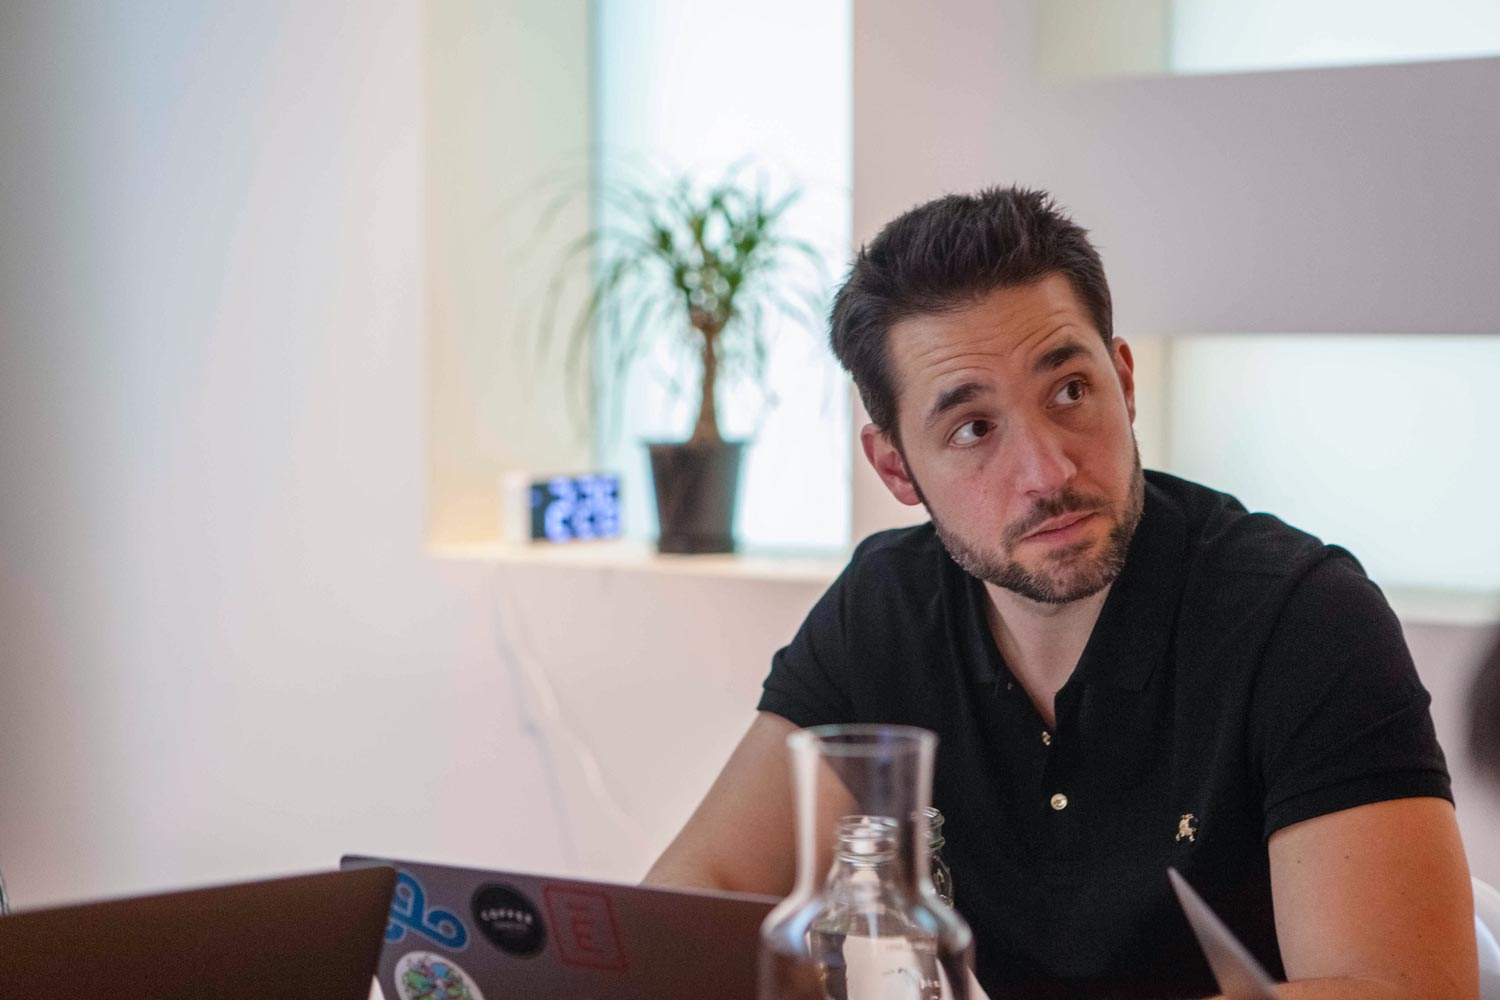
[(942, 875), (864, 921)]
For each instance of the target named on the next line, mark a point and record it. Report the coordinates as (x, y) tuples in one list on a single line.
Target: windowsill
[(632, 555), (1423, 606), (1413, 606)]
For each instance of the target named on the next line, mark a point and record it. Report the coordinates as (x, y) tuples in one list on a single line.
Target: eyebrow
[(1058, 356), (954, 397)]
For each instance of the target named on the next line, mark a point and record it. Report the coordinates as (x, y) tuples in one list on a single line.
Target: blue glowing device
[(572, 508)]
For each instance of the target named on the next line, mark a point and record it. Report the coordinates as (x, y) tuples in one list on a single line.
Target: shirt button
[(1059, 802), (1046, 738)]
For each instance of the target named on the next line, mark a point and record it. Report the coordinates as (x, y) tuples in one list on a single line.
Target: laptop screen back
[(311, 936), (489, 935)]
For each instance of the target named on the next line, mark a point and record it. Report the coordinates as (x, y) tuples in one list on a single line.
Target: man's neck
[(1042, 643)]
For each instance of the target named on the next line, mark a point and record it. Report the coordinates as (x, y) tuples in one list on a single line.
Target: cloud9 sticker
[(409, 912)]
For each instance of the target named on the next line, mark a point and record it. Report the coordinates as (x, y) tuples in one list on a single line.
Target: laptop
[(471, 934), (1239, 975), (310, 937)]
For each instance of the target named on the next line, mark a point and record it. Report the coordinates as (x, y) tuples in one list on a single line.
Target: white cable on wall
[(546, 723)]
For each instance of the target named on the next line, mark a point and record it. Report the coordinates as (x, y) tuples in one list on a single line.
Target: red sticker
[(584, 924)]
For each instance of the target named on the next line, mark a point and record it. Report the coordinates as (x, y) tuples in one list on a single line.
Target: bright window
[(1122, 37), (1384, 444), (1217, 36), (698, 87)]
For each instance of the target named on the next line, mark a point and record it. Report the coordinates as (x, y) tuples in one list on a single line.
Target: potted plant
[(707, 264)]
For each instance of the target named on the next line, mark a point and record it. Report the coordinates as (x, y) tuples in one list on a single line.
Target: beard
[(1063, 575)]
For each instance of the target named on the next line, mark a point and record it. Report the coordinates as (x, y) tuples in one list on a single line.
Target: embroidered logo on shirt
[(1187, 828)]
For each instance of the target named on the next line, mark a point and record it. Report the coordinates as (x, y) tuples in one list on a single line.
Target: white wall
[(1347, 200), (216, 611), (224, 651), (507, 107)]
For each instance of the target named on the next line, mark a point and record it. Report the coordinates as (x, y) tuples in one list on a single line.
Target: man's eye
[(1072, 391), (971, 432)]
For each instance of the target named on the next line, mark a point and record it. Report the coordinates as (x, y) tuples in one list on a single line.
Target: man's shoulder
[(1223, 537), (914, 543), (902, 564), (1249, 573)]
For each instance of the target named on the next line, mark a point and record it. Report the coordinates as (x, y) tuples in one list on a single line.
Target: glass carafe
[(863, 921)]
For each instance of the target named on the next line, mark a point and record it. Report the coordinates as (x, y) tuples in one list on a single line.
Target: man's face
[(1015, 419)]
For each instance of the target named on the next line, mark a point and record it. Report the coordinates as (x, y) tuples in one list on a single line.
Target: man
[(1126, 670)]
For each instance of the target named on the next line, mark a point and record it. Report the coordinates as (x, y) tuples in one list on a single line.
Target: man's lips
[(1060, 528)]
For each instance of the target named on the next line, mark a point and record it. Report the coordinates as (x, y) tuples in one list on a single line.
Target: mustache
[(1045, 509)]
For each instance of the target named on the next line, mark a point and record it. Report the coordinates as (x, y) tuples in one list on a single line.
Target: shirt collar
[(1135, 625)]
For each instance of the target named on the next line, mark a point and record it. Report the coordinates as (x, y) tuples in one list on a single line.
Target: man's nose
[(1041, 460)]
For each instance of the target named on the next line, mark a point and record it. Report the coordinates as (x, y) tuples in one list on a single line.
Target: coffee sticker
[(508, 920)]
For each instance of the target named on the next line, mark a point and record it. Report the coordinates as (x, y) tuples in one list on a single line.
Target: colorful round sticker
[(424, 975)]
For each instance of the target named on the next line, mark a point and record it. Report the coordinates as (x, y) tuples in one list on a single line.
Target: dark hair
[(945, 255)]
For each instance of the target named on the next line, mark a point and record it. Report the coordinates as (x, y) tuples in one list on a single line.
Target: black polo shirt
[(1242, 677)]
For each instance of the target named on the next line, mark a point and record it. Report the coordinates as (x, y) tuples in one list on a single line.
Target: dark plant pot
[(696, 490)]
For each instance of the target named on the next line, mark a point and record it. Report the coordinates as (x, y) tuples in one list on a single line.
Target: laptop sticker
[(422, 975), (508, 920), (409, 912), (584, 925)]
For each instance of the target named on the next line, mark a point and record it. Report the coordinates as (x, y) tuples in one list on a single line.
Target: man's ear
[(1125, 369), (888, 464)]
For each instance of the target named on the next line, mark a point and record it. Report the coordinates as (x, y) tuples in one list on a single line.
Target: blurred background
[(268, 352)]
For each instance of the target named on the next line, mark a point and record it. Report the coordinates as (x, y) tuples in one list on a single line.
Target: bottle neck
[(935, 840), (876, 849)]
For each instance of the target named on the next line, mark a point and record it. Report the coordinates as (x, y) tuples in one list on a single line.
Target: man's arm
[(741, 838), (1368, 876), (1374, 903)]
